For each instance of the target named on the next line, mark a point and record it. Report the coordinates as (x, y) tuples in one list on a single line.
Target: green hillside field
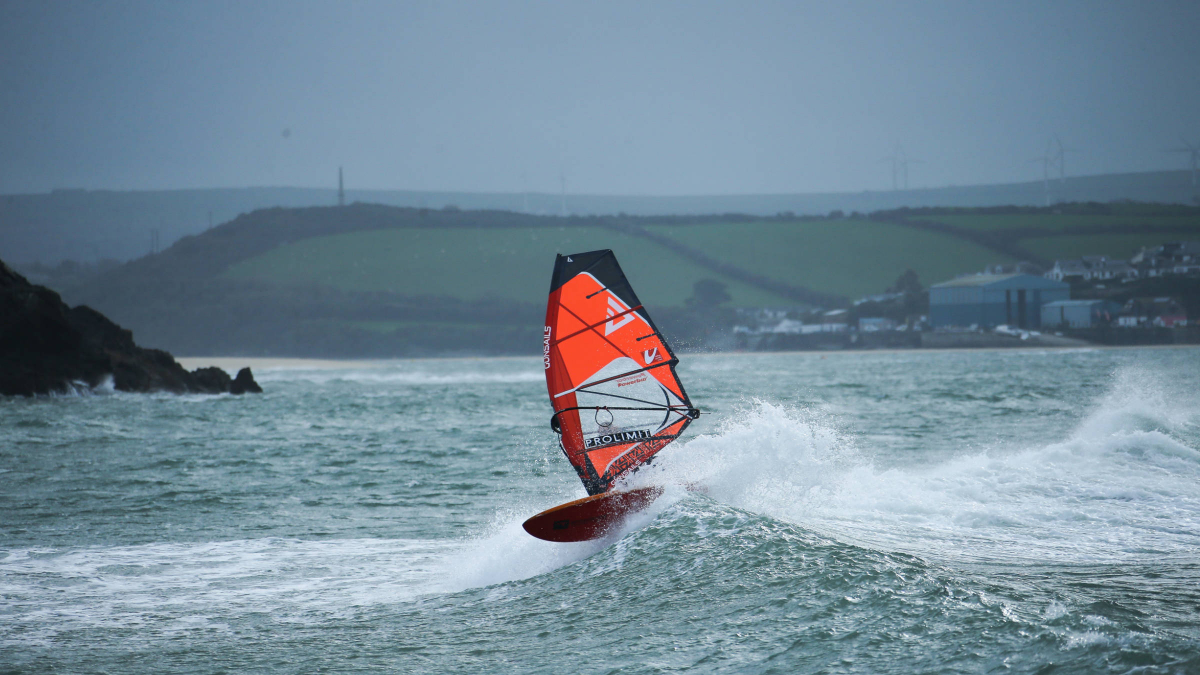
[(1115, 246), (1118, 234), (478, 264), (379, 281), (1064, 222), (848, 257)]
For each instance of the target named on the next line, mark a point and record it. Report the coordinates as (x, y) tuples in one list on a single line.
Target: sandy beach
[(235, 363)]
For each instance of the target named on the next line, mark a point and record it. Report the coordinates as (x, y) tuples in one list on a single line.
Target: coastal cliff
[(48, 347)]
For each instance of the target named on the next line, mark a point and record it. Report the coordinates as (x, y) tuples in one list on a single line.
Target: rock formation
[(244, 383), (48, 347)]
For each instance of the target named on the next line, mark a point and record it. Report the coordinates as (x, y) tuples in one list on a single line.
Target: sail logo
[(546, 346), (627, 382), (650, 356), (614, 308), (616, 437)]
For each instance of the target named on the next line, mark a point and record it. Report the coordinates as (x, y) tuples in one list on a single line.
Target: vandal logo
[(546, 346), (651, 355), (618, 437), (614, 308)]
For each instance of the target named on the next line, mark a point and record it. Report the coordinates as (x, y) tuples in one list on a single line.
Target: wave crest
[(1125, 482)]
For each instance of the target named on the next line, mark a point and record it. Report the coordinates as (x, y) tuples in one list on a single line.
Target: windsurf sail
[(611, 376)]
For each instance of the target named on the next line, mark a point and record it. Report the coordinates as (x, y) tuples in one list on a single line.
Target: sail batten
[(615, 377), (599, 323), (599, 359)]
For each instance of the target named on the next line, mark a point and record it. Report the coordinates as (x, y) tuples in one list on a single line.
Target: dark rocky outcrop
[(48, 347), (244, 383)]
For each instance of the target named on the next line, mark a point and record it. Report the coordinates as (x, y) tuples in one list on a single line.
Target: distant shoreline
[(938, 350), (233, 363)]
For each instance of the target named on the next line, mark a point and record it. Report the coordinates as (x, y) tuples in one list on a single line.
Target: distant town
[(1145, 299)]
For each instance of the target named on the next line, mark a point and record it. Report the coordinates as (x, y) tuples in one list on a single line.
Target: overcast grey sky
[(621, 97)]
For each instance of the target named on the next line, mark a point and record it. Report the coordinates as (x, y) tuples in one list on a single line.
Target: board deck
[(590, 517)]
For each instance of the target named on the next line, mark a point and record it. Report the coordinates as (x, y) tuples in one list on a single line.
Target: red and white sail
[(610, 374)]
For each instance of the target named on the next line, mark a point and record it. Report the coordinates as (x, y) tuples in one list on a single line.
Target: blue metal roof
[(1075, 303), (1002, 281)]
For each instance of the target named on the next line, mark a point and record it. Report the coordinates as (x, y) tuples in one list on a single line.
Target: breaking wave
[(1124, 483)]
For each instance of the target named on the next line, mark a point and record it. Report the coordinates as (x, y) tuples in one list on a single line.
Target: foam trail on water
[(1124, 483), (209, 583), (508, 553)]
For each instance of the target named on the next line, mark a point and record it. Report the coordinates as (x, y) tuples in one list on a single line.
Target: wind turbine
[(1193, 151), (1061, 157), (562, 177), (1047, 160), (900, 162), (1055, 156)]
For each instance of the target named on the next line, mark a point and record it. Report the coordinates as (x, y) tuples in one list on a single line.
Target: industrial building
[(988, 300), (1078, 313)]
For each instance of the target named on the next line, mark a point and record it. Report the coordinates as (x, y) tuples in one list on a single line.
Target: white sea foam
[(1124, 483), (182, 585), (508, 553), (79, 388), (106, 386)]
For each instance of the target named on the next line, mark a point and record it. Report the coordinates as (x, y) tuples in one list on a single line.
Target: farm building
[(987, 300), (1078, 313)]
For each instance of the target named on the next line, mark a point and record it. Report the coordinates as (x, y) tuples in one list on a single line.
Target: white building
[(1091, 268)]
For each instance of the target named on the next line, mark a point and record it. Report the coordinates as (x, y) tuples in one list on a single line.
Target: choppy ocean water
[(1023, 511)]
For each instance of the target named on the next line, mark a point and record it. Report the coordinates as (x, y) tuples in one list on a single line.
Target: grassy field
[(848, 257), (1066, 222), (374, 281), (1116, 246), (473, 264), (1129, 232), (1119, 215)]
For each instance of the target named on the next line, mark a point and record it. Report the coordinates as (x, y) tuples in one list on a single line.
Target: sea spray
[(761, 457), (1124, 483)]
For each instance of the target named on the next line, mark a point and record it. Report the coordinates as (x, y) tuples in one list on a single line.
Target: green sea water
[(937, 512)]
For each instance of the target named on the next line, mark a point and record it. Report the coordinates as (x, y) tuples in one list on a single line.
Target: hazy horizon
[(331, 187), (621, 99)]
